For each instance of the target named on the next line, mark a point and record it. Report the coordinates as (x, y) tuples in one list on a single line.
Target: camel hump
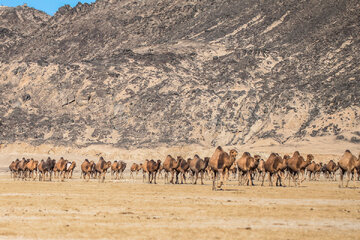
[(196, 156), (219, 148), (347, 151), (296, 153)]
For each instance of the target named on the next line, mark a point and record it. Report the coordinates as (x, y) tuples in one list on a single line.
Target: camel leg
[(222, 176), (239, 178), (172, 177), (214, 179), (263, 178), (270, 180), (196, 177), (202, 177), (154, 177), (341, 178)]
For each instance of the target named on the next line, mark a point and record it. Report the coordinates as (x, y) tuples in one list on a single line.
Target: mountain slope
[(153, 73)]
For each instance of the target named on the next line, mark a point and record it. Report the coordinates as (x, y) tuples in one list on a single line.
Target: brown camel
[(220, 162), (347, 164), (115, 169), (70, 169), (60, 168), (198, 165), (305, 164), (247, 165), (87, 168), (261, 169), (272, 166), (313, 169), (295, 164), (31, 168), (330, 169), (170, 165), (14, 167), (22, 168), (134, 168), (152, 169), (46, 168), (101, 167), (145, 169), (122, 167), (182, 168)]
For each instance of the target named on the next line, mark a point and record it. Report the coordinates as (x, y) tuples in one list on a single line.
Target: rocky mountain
[(149, 73)]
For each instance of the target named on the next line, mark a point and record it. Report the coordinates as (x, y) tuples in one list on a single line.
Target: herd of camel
[(219, 167)]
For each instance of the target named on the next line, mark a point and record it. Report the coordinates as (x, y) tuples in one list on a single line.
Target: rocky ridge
[(169, 73)]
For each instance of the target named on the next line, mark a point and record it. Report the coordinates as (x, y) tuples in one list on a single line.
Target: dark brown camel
[(219, 163), (46, 168), (330, 169)]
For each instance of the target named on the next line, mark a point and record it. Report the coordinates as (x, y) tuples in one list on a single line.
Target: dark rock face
[(155, 73)]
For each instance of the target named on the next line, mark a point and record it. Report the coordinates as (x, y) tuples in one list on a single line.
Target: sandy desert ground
[(131, 209)]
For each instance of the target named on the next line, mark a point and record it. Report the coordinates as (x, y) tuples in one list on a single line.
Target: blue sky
[(48, 6)]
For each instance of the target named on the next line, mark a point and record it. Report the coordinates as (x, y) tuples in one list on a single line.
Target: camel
[(70, 169), (152, 169), (144, 168), (272, 166), (182, 168), (261, 169), (313, 169), (219, 163), (329, 169), (247, 165), (46, 167), (347, 164), (114, 169), (233, 170), (122, 167), (31, 168), (60, 168), (87, 168), (198, 165), (134, 168), (295, 164), (101, 167), (22, 168), (14, 167), (170, 165), (305, 164)]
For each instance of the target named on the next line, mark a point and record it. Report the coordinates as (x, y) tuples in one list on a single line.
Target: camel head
[(257, 157), (206, 159), (296, 154), (310, 157), (101, 159), (233, 153)]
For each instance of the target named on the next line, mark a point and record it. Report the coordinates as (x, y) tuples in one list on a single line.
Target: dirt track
[(130, 209)]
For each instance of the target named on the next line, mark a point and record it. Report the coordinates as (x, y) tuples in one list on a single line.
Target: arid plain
[(131, 209)]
